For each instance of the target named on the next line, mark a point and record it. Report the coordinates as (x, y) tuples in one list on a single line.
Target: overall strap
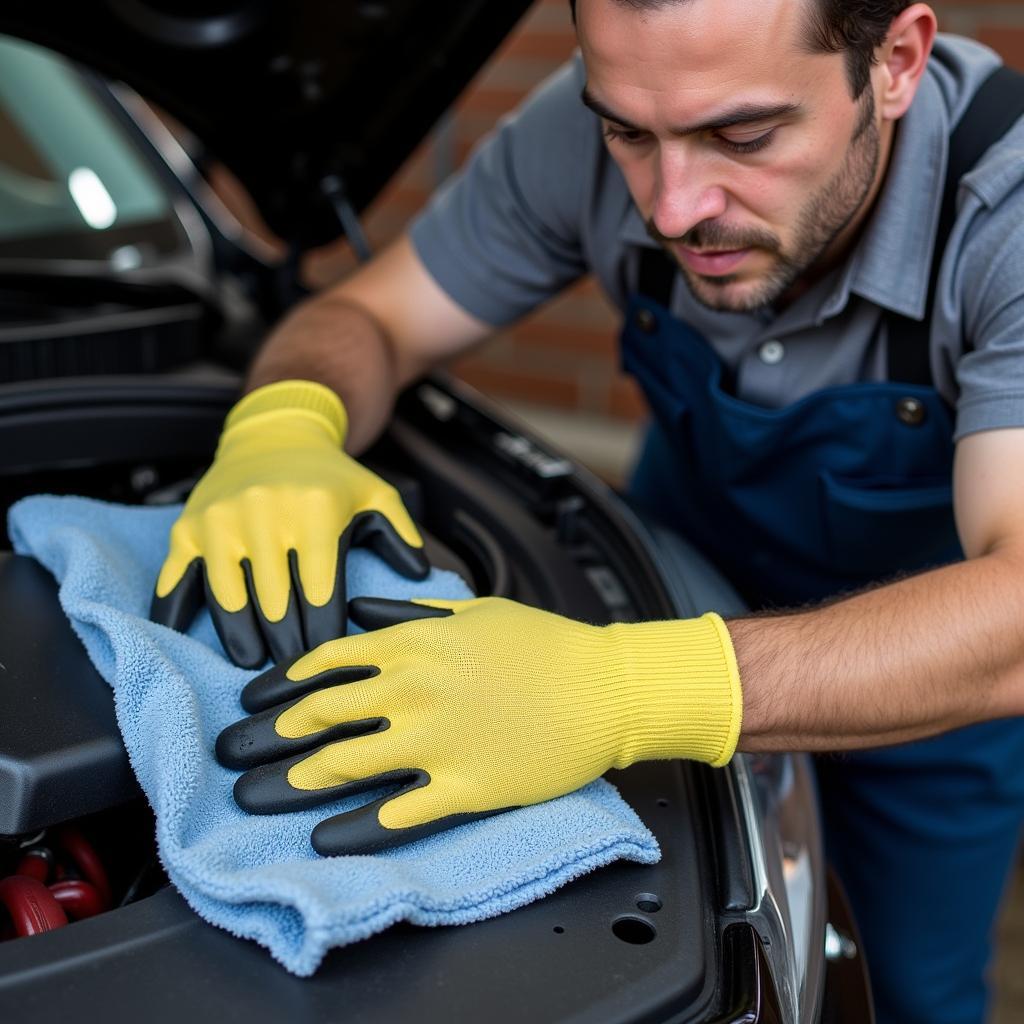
[(656, 275), (993, 111)]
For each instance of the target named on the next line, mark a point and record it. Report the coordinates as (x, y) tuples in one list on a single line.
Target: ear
[(902, 59)]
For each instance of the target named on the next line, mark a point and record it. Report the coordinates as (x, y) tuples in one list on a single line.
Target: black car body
[(120, 346)]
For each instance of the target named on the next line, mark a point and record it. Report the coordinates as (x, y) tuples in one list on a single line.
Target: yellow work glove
[(264, 535), (472, 707)]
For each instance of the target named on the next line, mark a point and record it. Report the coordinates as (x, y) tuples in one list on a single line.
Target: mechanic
[(821, 409)]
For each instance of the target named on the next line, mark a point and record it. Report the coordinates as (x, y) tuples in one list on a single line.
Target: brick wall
[(564, 356)]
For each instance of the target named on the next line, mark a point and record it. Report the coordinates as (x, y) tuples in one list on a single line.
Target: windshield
[(72, 184)]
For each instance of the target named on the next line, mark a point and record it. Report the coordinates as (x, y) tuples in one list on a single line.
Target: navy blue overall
[(843, 488)]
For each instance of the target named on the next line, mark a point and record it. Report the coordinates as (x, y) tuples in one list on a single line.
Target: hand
[(264, 535), (472, 707)]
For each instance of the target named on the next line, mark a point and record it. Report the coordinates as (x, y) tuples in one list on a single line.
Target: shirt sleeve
[(991, 375), (504, 234)]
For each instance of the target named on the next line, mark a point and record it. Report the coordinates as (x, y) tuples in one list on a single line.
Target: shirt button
[(771, 352)]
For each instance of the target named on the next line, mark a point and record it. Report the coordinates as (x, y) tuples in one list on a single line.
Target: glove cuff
[(688, 698), (303, 396)]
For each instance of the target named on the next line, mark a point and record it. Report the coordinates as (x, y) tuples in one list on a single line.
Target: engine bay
[(75, 831)]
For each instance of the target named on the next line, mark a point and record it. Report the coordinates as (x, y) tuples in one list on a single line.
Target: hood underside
[(300, 99)]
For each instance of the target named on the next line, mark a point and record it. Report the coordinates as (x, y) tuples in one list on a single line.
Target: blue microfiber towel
[(258, 877)]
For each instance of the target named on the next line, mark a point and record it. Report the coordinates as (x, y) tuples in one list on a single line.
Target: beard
[(821, 220)]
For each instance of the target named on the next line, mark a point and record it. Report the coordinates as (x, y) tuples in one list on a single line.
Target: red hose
[(78, 899), (33, 909), (88, 863), (35, 864)]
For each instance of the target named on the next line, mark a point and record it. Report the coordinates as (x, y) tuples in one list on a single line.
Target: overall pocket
[(877, 526)]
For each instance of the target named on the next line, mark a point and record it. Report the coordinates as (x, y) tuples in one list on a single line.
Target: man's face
[(744, 153)]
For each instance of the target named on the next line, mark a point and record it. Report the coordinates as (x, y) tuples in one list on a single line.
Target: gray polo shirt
[(541, 203)]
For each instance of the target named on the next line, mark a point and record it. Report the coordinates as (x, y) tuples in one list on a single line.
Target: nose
[(684, 194)]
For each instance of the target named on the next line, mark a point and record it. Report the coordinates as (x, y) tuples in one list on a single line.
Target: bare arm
[(368, 337), (912, 658)]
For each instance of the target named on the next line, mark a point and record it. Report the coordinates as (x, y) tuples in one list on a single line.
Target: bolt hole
[(633, 930), (648, 903), (558, 930), (662, 802)]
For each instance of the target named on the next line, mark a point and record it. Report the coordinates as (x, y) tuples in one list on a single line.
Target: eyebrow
[(747, 113)]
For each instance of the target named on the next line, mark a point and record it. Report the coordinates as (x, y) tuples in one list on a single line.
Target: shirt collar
[(890, 264)]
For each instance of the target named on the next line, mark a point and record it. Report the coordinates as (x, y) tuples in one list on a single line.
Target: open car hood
[(299, 98)]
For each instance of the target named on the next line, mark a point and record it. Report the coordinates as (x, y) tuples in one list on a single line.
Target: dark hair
[(854, 27)]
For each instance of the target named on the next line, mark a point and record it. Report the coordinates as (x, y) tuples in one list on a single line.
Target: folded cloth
[(258, 877)]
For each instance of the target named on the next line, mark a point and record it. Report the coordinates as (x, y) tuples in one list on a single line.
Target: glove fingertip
[(178, 607), (380, 612), (412, 563), (163, 613), (265, 790), (379, 533), (240, 635), (266, 690), (245, 652), (275, 687), (360, 831), (356, 832)]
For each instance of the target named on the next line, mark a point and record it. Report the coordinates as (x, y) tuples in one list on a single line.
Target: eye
[(751, 146), (627, 136)]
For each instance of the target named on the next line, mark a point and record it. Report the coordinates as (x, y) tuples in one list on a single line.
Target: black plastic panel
[(557, 959), (60, 749)]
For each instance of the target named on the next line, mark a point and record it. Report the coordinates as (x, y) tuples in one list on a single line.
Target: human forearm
[(902, 661), (333, 341), (370, 336)]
